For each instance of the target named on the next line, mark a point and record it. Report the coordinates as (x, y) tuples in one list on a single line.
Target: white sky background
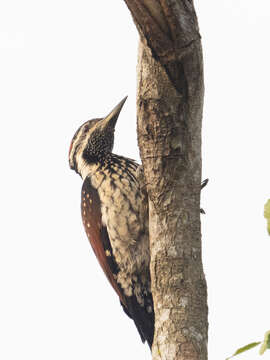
[(63, 62)]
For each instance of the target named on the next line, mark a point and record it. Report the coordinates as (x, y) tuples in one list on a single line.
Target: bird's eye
[(86, 128)]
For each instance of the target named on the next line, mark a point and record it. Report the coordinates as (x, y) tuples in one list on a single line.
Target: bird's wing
[(100, 242), (98, 235)]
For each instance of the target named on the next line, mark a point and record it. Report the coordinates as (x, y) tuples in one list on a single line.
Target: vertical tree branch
[(169, 105)]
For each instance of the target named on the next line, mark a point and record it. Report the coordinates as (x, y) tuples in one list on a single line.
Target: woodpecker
[(115, 217)]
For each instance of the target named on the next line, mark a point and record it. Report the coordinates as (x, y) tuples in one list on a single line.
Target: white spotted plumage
[(123, 213)]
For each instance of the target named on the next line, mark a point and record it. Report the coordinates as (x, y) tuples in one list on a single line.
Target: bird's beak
[(110, 120)]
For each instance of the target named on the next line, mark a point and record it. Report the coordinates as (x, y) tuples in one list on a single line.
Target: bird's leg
[(141, 179)]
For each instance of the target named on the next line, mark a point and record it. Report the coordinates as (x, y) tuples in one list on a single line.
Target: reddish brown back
[(98, 235)]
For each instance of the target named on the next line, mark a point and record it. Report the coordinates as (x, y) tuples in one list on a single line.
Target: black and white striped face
[(93, 141), (80, 142)]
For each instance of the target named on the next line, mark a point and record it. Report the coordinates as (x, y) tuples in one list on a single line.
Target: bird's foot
[(203, 184)]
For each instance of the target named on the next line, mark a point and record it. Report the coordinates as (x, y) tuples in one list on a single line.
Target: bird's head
[(93, 141)]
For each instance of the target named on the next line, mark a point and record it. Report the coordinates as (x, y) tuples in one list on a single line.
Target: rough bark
[(169, 106)]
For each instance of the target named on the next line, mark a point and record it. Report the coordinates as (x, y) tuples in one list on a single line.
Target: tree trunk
[(169, 105)]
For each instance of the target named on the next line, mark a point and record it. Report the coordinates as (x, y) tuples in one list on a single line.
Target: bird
[(114, 211)]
